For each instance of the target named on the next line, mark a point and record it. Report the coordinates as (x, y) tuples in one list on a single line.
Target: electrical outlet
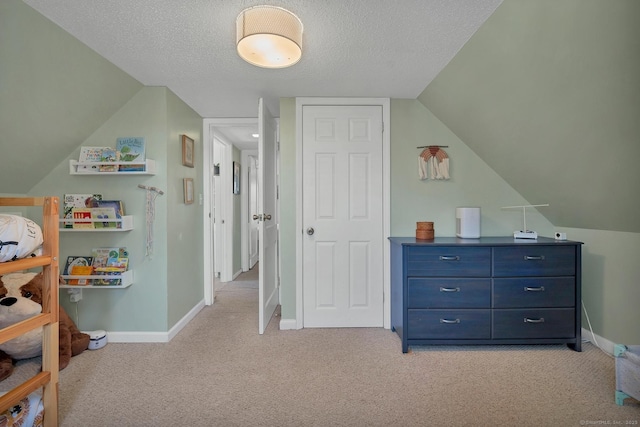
[(75, 295), (561, 236)]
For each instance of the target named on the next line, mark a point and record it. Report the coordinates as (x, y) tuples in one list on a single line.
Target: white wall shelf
[(149, 169), (126, 281), (126, 225)]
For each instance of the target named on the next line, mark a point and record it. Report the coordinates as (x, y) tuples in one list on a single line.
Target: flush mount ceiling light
[(269, 36)]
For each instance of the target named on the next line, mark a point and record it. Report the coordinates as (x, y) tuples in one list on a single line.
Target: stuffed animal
[(20, 299)]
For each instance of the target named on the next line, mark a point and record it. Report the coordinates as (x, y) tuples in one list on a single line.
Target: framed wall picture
[(187, 151), (236, 178), (188, 190)]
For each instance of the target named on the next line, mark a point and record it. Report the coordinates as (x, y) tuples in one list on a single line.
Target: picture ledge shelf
[(126, 225), (126, 281), (149, 168)]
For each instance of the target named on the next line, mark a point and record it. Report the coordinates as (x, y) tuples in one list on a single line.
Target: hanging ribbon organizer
[(433, 162)]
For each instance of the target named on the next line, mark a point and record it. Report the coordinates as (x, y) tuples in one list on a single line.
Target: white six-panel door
[(342, 216)]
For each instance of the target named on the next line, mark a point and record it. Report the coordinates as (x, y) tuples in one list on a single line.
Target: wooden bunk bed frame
[(48, 319)]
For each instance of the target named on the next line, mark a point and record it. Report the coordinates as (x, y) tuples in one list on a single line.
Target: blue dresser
[(492, 290)]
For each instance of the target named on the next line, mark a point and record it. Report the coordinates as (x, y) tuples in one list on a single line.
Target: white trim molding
[(288, 324), (146, 336), (600, 342), (208, 127)]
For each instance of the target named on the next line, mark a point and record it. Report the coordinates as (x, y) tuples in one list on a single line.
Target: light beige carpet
[(219, 372)]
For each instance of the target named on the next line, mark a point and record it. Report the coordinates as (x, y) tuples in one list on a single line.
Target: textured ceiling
[(372, 48)]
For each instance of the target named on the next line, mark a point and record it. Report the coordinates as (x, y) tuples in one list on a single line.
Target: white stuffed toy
[(20, 299), (19, 238), (14, 308)]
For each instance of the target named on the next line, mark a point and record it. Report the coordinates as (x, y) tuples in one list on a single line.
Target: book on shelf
[(82, 213), (78, 266), (79, 270), (117, 205), (75, 261), (132, 151), (101, 256), (109, 155), (78, 201), (109, 262), (90, 155), (103, 215), (106, 281), (117, 264)]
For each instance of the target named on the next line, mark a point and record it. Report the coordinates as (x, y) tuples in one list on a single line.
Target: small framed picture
[(236, 178), (187, 151), (188, 190)]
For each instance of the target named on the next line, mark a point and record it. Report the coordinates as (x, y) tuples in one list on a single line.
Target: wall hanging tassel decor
[(150, 214), (433, 163)]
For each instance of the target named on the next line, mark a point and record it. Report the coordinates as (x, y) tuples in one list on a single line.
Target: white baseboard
[(288, 324), (236, 274), (142, 336), (604, 344)]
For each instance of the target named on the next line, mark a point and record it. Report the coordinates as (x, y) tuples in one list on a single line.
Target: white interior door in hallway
[(268, 295), (342, 216)]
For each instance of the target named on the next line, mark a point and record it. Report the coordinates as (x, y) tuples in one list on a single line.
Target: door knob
[(267, 217), (257, 217), (310, 231)]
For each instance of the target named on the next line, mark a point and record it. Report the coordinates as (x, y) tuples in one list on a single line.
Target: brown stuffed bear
[(20, 299)]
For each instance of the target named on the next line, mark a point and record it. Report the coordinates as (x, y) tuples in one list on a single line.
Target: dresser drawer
[(449, 293), (534, 260), (534, 323), (449, 324), (534, 292), (445, 261)]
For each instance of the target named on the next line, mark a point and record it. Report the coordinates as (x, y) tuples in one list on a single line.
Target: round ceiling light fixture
[(269, 37)]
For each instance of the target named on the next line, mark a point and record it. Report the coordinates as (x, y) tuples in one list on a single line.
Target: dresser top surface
[(482, 241)]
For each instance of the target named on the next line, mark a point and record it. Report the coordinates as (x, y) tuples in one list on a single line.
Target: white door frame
[(209, 126), (218, 208), (244, 216), (268, 251), (386, 200)]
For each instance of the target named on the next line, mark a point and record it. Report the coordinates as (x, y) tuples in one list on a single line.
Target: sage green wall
[(63, 95), (237, 221), (547, 93), (557, 83), (472, 183), (287, 224), (54, 92), (167, 284), (142, 306), (185, 223), (610, 290)]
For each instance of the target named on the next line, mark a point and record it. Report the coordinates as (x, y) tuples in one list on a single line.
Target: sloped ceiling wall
[(48, 104), (547, 92)]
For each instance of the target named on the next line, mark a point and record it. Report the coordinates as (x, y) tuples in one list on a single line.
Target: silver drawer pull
[(528, 320), (534, 257), (449, 258), (449, 289), (538, 289), (449, 321)]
